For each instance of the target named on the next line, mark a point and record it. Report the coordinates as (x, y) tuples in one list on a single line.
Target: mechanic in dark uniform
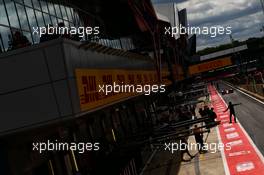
[(232, 111), (198, 135)]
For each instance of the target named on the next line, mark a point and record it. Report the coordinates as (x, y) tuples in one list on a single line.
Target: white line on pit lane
[(238, 153), (222, 121), (235, 143), (226, 125), (245, 166), (230, 129), (232, 135), (223, 116)]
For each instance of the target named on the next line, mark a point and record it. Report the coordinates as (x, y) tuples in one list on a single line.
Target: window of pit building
[(23, 15), (5, 34), (12, 13)]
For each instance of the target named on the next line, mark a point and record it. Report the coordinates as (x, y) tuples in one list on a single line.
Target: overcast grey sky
[(244, 16)]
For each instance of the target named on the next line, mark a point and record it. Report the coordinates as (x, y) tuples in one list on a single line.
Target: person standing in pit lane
[(198, 135), (217, 86), (232, 111), (212, 115)]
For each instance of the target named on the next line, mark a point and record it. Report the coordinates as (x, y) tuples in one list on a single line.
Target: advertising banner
[(99, 87)]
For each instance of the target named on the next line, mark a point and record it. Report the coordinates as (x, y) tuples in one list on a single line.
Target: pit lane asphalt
[(250, 115)]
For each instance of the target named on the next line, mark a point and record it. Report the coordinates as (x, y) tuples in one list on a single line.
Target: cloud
[(167, 1), (244, 16), (215, 16), (242, 29)]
